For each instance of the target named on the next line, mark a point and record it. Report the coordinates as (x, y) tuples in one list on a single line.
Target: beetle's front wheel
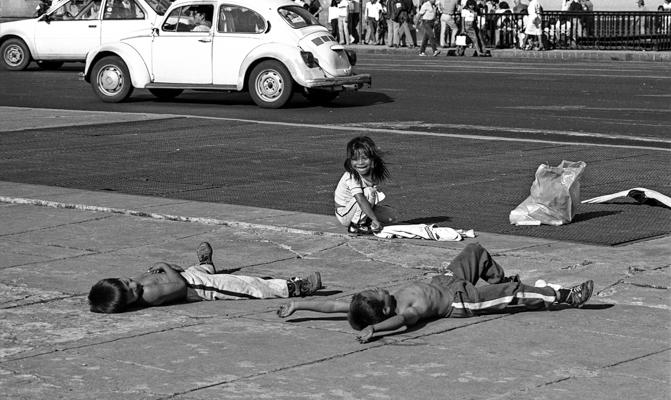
[(110, 80), (270, 84)]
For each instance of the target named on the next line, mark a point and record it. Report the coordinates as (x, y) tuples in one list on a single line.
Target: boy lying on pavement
[(451, 294), (166, 283)]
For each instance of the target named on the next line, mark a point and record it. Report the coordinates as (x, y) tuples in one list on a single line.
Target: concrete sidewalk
[(55, 243)]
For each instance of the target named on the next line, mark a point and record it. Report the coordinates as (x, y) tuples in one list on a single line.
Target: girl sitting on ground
[(357, 197)]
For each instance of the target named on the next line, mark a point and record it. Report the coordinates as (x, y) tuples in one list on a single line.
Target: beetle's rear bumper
[(341, 82)]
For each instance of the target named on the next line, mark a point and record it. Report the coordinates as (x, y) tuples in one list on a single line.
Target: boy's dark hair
[(366, 146), (108, 296), (364, 311)]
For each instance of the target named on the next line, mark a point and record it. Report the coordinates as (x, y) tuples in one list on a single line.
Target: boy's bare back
[(424, 300), (160, 288)]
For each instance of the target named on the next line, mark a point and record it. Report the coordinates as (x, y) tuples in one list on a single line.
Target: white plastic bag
[(555, 194)]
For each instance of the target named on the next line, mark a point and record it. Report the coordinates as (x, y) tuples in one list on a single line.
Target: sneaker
[(435, 53), (305, 286), (577, 295), (204, 253), (360, 229), (422, 54)]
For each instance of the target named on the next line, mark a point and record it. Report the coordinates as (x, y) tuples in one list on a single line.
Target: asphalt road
[(463, 138)]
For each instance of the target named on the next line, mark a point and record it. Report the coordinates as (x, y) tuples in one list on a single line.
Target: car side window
[(194, 18), (236, 19), (69, 11), (90, 11), (123, 9)]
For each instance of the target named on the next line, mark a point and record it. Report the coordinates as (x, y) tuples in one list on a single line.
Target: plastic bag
[(555, 194)]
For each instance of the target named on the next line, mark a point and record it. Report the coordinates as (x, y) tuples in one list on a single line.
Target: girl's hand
[(376, 226)]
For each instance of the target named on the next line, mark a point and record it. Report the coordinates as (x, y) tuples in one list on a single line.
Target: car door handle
[(205, 40), (93, 26)]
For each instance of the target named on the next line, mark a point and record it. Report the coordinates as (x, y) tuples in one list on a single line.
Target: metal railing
[(583, 30)]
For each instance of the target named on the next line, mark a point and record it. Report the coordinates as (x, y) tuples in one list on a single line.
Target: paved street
[(91, 190)]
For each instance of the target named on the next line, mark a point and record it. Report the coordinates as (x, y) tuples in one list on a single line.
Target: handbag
[(460, 40)]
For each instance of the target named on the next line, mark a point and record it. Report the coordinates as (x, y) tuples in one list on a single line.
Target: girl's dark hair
[(364, 311), (108, 296), (366, 146)]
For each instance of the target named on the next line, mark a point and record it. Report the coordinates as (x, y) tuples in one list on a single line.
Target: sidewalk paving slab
[(53, 347)]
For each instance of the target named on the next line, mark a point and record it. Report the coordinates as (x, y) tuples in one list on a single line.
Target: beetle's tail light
[(309, 59), (351, 56)]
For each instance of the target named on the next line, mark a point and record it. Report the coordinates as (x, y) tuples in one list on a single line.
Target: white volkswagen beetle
[(270, 48), (70, 28)]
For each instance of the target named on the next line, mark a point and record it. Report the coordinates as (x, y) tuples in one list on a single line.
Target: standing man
[(448, 9), (353, 18), (427, 16)]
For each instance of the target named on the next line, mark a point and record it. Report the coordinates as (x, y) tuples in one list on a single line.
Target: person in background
[(343, 6), (448, 10), (353, 19), (315, 8), (333, 19), (372, 15), (405, 22), (469, 22), (427, 15), (534, 27)]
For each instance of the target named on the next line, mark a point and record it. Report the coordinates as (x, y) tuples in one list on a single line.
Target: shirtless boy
[(452, 294), (167, 283)]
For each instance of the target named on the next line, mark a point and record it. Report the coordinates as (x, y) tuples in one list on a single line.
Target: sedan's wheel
[(15, 55), (270, 84), (320, 96), (49, 65), (166, 94), (110, 79)]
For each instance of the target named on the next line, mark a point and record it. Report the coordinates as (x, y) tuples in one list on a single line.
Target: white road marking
[(378, 128)]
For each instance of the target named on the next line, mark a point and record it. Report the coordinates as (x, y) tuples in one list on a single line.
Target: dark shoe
[(577, 295), (360, 229), (305, 286), (508, 279), (204, 253)]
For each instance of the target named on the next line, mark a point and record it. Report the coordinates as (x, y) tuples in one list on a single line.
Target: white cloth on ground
[(424, 231)]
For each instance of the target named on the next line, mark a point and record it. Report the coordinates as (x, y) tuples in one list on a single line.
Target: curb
[(604, 55)]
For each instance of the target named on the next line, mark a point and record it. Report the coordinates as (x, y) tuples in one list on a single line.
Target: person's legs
[(443, 29), (334, 29), (473, 263), (209, 285), (454, 30), (342, 30), (431, 35), (496, 297)]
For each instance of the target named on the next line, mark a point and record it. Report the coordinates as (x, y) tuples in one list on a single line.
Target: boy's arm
[(160, 266), (329, 306), (168, 288), (408, 318)]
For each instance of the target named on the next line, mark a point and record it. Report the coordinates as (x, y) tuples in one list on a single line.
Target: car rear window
[(297, 17)]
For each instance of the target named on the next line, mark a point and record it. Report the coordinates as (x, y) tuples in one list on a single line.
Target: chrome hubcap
[(110, 80)]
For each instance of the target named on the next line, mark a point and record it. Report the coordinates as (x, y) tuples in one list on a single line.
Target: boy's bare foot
[(204, 253), (286, 309)]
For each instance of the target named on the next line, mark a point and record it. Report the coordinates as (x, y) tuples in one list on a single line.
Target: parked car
[(270, 48), (70, 28)]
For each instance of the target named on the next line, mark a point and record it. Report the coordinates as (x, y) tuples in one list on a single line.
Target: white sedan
[(70, 28), (270, 48)]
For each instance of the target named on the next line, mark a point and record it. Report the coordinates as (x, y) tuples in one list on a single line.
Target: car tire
[(270, 84), (166, 94), (49, 65), (320, 97), (110, 79), (15, 55)]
